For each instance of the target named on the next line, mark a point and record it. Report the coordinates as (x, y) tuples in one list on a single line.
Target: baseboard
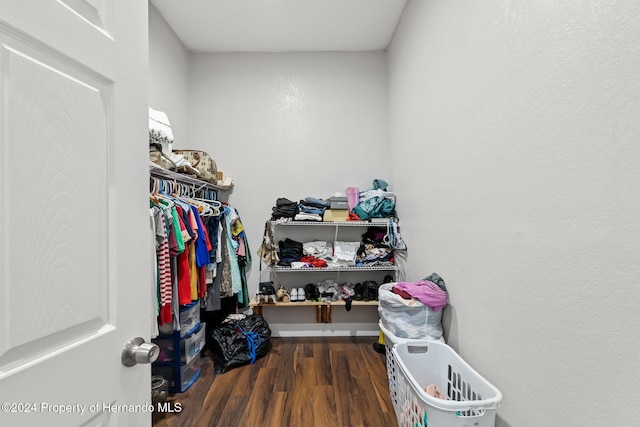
[(324, 330)]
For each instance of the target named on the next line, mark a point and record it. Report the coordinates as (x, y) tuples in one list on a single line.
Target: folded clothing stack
[(311, 209), (289, 251), (284, 208)]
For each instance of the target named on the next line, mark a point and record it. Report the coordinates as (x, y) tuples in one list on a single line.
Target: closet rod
[(170, 186), (159, 172)]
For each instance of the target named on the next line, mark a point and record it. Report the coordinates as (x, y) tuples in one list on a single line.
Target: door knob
[(137, 351)]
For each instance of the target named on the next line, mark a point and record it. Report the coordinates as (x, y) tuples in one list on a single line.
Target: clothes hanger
[(208, 206), (187, 194), (392, 237), (153, 191), (387, 237), (213, 203), (162, 192)]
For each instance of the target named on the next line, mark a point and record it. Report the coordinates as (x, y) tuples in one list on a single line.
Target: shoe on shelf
[(357, 292), (282, 293), (294, 295), (301, 294)]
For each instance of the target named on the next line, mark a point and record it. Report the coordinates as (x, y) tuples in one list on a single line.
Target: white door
[(74, 248)]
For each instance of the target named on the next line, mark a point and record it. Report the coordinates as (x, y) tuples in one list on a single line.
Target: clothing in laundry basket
[(433, 390), (426, 292)]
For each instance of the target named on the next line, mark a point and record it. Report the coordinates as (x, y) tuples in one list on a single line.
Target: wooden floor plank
[(259, 404), (322, 359), (347, 392), (301, 382)]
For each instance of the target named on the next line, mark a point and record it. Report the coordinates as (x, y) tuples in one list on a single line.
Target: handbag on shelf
[(267, 288), (157, 157), (203, 163), (268, 251)]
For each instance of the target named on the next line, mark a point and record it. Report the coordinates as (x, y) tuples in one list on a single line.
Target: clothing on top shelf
[(311, 209), (376, 202), (305, 216), (284, 208), (365, 205)]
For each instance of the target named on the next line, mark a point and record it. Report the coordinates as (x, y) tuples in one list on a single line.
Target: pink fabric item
[(433, 390), (353, 197), (426, 292)]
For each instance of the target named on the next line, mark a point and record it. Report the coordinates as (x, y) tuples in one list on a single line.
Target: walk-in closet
[(319, 213)]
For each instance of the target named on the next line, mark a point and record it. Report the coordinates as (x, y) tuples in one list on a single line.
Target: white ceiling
[(282, 25)]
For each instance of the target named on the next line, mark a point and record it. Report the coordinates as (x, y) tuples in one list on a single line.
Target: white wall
[(289, 125), (514, 127), (169, 76)]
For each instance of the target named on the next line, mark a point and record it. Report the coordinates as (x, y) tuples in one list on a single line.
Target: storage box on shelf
[(339, 203), (179, 359)]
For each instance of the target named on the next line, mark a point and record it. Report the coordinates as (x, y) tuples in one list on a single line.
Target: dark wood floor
[(317, 381)]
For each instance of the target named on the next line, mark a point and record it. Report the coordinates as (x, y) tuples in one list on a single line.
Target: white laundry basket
[(392, 366), (471, 400)]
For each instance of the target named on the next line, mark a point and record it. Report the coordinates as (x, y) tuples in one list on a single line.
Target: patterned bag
[(268, 251), (203, 163), (159, 158)]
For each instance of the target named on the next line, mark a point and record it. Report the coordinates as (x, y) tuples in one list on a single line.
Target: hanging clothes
[(201, 252), (164, 267)]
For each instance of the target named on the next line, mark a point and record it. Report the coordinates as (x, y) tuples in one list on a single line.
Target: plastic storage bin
[(188, 346), (167, 349), (471, 400), (189, 318), (180, 378), (194, 343)]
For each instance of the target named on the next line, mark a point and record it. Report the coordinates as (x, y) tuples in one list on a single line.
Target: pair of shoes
[(311, 291), (297, 295), (282, 294), (357, 292)]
